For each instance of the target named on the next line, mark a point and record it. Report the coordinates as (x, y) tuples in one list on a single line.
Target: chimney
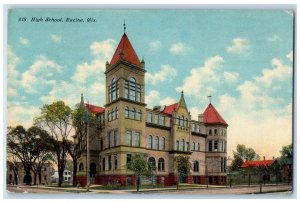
[(273, 158), (264, 158), (200, 117)]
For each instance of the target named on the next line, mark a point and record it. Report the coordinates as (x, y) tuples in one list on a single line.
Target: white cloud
[(21, 113), (55, 38), (290, 56), (166, 73), (238, 46), (39, 74), (203, 79), (104, 48), (279, 71), (24, 41), (231, 77), (167, 101), (155, 45), (274, 38), (13, 61), (11, 92), (179, 48)]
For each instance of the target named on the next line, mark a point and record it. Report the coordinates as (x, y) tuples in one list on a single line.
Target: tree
[(139, 166), (24, 145), (286, 160), (56, 118), (182, 166), (78, 146), (242, 154), (12, 162)]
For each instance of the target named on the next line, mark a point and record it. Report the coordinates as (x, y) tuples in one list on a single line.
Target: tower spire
[(209, 96), (124, 27)]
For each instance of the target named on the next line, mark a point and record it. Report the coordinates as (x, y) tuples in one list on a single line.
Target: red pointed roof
[(128, 51), (248, 164), (211, 116), (169, 109), (95, 109)]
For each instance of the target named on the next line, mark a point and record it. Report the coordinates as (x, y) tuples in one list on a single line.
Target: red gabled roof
[(211, 116), (95, 109), (247, 164), (169, 109), (128, 51)]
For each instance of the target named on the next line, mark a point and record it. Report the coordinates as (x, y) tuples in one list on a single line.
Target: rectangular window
[(136, 139), (116, 135), (216, 146), (132, 113), (138, 93), (128, 159), (116, 162), (126, 85), (177, 145), (210, 146), (149, 117), (110, 139), (193, 127), (109, 162), (128, 137), (156, 118), (162, 120), (187, 146)]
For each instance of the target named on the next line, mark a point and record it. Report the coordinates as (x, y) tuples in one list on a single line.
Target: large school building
[(128, 127)]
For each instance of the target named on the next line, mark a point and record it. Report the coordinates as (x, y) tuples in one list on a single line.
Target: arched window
[(194, 146), (177, 120), (139, 115), (162, 143), (132, 113), (151, 163), (156, 142), (198, 147), (93, 170), (150, 141), (181, 145), (181, 121), (161, 164), (216, 132), (186, 122), (113, 116), (103, 164), (81, 168), (196, 166), (210, 132), (126, 112), (132, 89), (116, 162), (114, 90)]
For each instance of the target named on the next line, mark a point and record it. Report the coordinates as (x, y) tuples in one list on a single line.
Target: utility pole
[(87, 152)]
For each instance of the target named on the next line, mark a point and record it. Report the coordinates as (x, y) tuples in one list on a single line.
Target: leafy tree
[(12, 162), (24, 145), (139, 166), (77, 147), (242, 154), (182, 166), (286, 160), (56, 118)]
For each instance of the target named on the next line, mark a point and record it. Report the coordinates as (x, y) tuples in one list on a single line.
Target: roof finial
[(124, 26), (209, 96), (181, 92)]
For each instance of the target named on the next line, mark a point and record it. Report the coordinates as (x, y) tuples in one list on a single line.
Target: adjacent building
[(126, 127)]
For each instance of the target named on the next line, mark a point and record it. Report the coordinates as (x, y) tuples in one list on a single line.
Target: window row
[(101, 118), (113, 137), (196, 146), (133, 113), (112, 163), (133, 138), (132, 90), (152, 164), (114, 91), (182, 121), (156, 118), (217, 146), (196, 128), (113, 114), (156, 143), (181, 145), (216, 132)]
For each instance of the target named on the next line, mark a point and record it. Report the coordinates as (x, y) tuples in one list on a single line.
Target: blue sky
[(243, 58)]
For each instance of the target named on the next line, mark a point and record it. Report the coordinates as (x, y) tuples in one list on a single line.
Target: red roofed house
[(162, 132)]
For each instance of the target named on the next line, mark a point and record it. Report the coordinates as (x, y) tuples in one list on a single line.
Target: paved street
[(276, 190)]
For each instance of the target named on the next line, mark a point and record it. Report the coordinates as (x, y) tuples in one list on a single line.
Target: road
[(276, 190)]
